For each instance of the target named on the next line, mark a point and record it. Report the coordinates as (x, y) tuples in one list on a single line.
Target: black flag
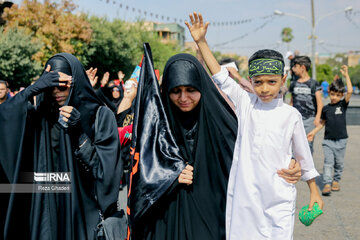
[(156, 159)]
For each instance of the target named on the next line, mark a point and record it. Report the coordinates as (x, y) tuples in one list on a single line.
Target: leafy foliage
[(354, 73), (286, 35), (53, 24), (16, 50), (324, 73), (118, 45)]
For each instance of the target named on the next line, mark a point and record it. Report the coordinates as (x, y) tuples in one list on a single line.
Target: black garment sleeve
[(102, 158), (323, 113), (13, 122), (317, 86), (344, 103)]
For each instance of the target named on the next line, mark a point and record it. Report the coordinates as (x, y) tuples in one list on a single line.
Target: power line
[(147, 14), (246, 34), (341, 46), (348, 16), (262, 46)]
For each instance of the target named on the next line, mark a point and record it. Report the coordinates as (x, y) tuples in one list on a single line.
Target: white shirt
[(260, 204)]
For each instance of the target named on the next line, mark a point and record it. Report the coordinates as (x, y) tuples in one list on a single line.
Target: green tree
[(354, 73), (161, 51), (17, 65), (324, 73), (111, 48), (287, 36), (53, 24), (118, 45)]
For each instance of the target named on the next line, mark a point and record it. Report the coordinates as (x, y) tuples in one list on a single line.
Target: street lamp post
[(313, 38), (313, 25)]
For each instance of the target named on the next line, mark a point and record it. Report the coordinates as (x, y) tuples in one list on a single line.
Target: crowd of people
[(239, 148)]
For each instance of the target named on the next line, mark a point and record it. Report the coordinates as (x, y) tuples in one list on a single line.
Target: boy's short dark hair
[(303, 61), (267, 54), (337, 86)]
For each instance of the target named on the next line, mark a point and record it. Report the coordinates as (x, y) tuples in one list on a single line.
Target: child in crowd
[(306, 95), (261, 205), (333, 117)]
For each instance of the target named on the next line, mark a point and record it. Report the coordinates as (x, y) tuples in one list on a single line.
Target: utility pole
[(313, 39)]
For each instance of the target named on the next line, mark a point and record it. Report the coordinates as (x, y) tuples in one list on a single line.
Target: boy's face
[(297, 69), (335, 97), (267, 87)]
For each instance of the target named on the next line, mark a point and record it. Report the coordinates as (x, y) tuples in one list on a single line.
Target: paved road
[(341, 218)]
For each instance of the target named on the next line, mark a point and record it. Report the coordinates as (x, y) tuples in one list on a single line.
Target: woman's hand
[(91, 73), (197, 28), (49, 80), (292, 174), (105, 79), (186, 176), (70, 115), (126, 102), (131, 92)]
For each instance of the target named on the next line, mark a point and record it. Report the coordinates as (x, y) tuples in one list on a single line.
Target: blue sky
[(335, 32)]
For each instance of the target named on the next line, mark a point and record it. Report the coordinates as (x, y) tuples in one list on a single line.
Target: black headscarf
[(186, 75), (82, 96), (105, 94), (196, 211), (34, 134)]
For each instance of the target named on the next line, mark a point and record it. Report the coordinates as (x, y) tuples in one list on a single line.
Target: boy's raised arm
[(344, 71), (319, 108), (198, 30)]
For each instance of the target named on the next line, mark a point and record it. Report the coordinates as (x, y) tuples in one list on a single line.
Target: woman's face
[(186, 98), (60, 94), (115, 92)]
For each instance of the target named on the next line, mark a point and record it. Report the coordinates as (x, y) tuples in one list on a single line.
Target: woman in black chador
[(83, 141), (204, 126)]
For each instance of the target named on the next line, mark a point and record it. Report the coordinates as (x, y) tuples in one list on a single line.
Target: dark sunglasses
[(115, 90), (62, 88)]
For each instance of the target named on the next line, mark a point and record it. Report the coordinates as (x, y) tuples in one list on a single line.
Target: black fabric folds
[(156, 159), (196, 211), (35, 142)]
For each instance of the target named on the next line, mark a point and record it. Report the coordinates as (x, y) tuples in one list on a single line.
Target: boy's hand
[(315, 197), (310, 136), (197, 28), (344, 70), (317, 122), (186, 176)]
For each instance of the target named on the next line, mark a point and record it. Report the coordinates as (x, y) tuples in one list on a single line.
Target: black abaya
[(37, 143), (196, 211)]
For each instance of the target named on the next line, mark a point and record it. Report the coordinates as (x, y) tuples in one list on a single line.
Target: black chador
[(204, 138), (32, 140)]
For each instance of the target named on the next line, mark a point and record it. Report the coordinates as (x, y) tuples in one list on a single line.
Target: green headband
[(264, 66)]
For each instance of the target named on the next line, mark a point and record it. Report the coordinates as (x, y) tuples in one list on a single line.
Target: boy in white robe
[(260, 204)]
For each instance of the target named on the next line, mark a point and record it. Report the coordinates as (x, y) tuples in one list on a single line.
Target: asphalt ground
[(341, 217)]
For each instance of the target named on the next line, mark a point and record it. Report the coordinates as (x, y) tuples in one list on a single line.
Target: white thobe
[(260, 204)]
